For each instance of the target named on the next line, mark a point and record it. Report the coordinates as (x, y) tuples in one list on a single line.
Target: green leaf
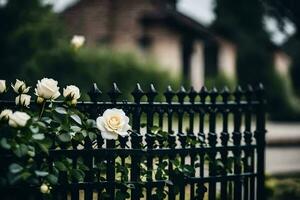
[(4, 144), (76, 118), (60, 166), (34, 129), (61, 110), (92, 136), (21, 150), (39, 136), (75, 128), (52, 179), (15, 168), (77, 174), (64, 137), (41, 173), (90, 123)]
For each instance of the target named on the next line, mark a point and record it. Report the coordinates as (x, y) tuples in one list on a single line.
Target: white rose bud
[(40, 100), (112, 123), (18, 119), (72, 93), (77, 41), (23, 100), (4, 115), (20, 87), (44, 188), (47, 89), (2, 86)]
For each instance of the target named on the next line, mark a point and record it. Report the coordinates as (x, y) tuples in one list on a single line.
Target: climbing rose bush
[(29, 131)]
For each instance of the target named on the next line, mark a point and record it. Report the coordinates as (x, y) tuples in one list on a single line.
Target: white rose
[(77, 41), (112, 123), (18, 119), (20, 87), (47, 89), (23, 100), (72, 93), (2, 86), (44, 188), (5, 114)]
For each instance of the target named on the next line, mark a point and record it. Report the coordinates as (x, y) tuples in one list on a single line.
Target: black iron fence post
[(260, 140)]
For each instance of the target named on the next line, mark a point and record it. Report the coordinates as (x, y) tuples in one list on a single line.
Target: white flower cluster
[(46, 89), (15, 119)]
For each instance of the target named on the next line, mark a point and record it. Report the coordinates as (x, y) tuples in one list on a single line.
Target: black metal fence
[(228, 159)]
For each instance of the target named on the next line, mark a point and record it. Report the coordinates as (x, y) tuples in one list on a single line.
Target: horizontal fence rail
[(227, 158)]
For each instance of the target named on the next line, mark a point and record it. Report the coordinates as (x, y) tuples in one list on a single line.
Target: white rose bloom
[(72, 92), (112, 123), (5, 114), (47, 89), (77, 41), (23, 100), (20, 87), (2, 86), (18, 119)]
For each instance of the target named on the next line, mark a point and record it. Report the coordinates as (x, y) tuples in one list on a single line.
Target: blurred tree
[(28, 28), (283, 11), (242, 22)]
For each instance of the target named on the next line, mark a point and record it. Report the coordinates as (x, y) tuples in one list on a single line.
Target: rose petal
[(109, 135)]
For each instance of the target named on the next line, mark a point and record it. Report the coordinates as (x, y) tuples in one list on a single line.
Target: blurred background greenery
[(35, 44)]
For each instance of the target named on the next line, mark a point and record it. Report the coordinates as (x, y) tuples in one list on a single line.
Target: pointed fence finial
[(213, 94), (169, 94), (238, 93), (225, 94), (259, 91), (192, 94), (203, 94), (181, 94), (249, 93), (94, 93), (137, 93), (151, 94), (114, 93)]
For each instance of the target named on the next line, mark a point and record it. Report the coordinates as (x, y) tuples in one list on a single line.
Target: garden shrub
[(283, 188), (103, 66)]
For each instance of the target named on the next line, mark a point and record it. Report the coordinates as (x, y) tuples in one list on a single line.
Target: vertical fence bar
[(212, 140), (260, 140), (150, 138), (201, 189), (95, 95), (248, 139), (192, 95), (114, 93), (181, 94), (237, 136), (169, 94), (136, 140), (224, 141)]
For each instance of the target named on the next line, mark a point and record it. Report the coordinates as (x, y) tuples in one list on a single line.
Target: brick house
[(149, 28)]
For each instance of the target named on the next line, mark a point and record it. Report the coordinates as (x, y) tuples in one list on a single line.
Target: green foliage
[(220, 81), (34, 45), (98, 65), (242, 22), (283, 188), (28, 29)]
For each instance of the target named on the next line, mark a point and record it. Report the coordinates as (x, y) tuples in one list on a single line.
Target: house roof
[(177, 20)]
